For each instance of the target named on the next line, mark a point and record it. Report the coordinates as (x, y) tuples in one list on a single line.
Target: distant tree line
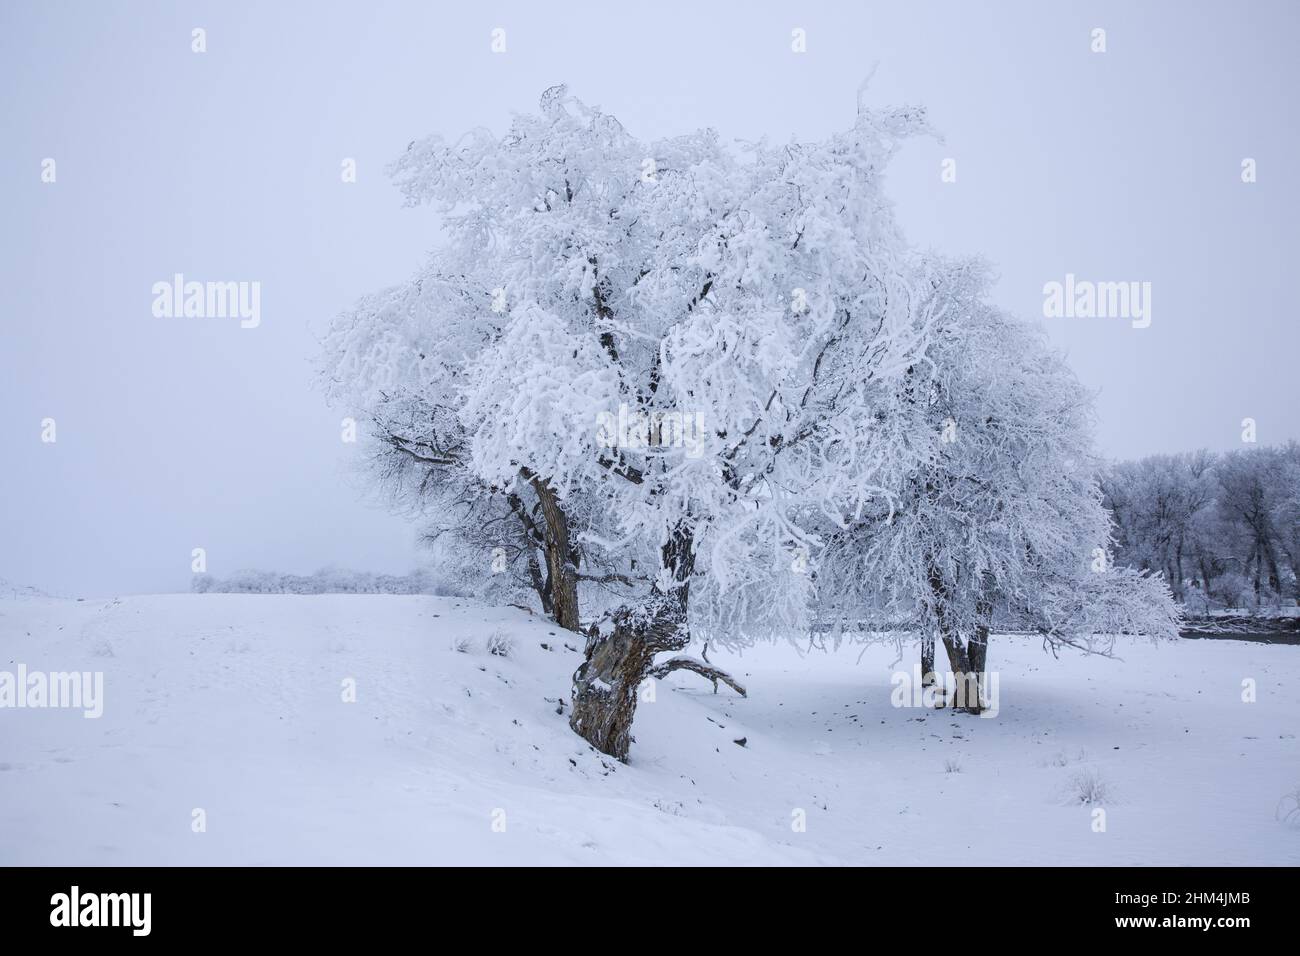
[(1222, 529), (325, 581)]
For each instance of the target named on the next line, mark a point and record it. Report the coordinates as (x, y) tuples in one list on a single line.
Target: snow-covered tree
[(712, 381), (1286, 509), (1003, 519), (1160, 507), (1251, 497), (1224, 530), (688, 353)]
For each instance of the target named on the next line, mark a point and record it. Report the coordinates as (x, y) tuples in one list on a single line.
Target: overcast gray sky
[(225, 165)]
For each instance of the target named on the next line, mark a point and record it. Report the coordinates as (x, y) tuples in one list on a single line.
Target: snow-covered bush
[(499, 644), (1089, 787)]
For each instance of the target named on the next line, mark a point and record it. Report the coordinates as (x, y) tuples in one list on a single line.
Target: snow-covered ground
[(233, 705)]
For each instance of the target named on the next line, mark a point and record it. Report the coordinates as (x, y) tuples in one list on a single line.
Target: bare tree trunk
[(965, 672), (561, 561), (927, 657), (977, 655), (1274, 576), (1259, 566), (1179, 592), (532, 539), (1205, 580), (965, 659), (540, 586), (977, 650), (606, 684)]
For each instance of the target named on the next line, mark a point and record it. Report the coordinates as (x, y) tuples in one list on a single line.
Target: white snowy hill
[(234, 705)]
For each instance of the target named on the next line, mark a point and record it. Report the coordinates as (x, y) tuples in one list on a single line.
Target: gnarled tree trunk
[(620, 657), (606, 684)]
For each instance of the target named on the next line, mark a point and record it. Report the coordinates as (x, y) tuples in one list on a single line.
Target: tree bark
[(927, 657), (561, 561)]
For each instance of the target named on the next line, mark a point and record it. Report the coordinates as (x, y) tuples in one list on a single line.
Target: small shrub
[(1087, 786), (499, 644)]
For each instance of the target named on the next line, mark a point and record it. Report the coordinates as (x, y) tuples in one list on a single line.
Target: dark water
[(1273, 637)]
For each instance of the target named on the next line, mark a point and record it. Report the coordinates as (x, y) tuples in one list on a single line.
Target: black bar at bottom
[(338, 904)]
